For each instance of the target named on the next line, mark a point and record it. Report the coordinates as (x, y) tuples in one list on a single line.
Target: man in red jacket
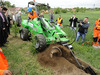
[(3, 65)]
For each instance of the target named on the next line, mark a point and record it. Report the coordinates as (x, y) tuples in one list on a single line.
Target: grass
[(22, 61), (85, 52)]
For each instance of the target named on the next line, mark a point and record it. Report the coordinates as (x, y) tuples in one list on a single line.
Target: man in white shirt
[(13, 17)]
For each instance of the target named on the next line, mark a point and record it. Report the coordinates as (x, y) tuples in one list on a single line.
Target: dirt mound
[(60, 65)]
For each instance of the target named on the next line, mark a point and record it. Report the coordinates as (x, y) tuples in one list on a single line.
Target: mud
[(60, 65)]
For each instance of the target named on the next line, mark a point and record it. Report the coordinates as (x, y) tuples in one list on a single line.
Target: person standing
[(4, 10), (96, 34), (41, 15), (83, 29), (59, 21), (13, 17), (8, 22), (73, 22), (18, 19), (2, 28), (52, 17)]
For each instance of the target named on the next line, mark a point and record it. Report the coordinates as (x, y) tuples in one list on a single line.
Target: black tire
[(40, 42), (24, 34)]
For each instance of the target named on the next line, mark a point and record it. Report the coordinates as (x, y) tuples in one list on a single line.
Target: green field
[(22, 61)]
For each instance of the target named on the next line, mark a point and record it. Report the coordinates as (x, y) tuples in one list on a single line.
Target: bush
[(15, 29), (97, 9), (82, 10), (64, 10), (57, 10), (33, 41)]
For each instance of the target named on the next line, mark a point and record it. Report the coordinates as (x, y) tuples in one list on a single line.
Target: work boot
[(98, 46), (7, 42)]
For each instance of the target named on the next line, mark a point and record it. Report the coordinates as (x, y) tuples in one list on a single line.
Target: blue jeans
[(80, 34), (51, 20)]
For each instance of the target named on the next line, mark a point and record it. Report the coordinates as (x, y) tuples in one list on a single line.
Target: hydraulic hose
[(75, 33)]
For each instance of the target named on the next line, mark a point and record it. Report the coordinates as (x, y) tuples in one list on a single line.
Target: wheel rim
[(37, 45), (22, 34)]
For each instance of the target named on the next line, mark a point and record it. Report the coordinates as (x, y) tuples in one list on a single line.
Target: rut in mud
[(64, 65)]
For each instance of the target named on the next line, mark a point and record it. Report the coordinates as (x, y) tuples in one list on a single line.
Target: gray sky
[(60, 3)]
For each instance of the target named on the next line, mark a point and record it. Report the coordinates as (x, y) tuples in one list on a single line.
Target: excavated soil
[(64, 65)]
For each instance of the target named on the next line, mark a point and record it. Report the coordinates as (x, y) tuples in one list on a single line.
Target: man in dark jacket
[(2, 28), (83, 29), (4, 10), (1, 31), (8, 22), (73, 22)]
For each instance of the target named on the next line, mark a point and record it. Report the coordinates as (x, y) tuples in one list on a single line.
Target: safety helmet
[(29, 9)]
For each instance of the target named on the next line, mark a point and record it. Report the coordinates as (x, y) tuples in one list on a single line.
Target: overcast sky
[(60, 3)]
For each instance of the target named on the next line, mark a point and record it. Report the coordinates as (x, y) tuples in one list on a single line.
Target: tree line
[(7, 4)]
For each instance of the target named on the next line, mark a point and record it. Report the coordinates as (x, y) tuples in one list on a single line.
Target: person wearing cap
[(4, 65), (32, 14), (18, 19)]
